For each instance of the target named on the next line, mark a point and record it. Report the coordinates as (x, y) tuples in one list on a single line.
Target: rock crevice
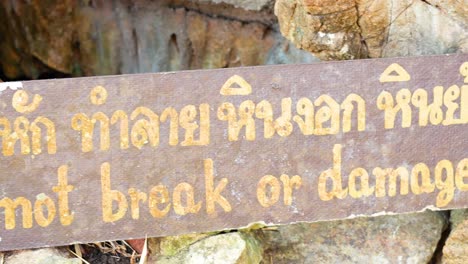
[(384, 28)]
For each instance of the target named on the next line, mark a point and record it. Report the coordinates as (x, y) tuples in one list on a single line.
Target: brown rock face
[(374, 28), (76, 38), (327, 7), (30, 31), (329, 29)]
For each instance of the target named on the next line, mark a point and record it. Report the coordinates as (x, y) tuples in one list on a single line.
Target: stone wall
[(44, 39), (84, 38)]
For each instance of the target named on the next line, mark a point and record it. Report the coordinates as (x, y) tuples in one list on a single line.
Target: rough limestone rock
[(385, 239), (229, 248), (41, 256), (83, 38), (245, 4), (455, 250), (329, 28), (171, 245), (351, 29)]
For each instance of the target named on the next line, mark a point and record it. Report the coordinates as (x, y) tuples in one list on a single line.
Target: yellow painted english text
[(446, 177)]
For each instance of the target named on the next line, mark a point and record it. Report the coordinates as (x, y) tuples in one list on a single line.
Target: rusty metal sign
[(120, 157)]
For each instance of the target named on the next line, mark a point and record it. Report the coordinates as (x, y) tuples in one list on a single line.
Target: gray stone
[(229, 248), (172, 245), (458, 216), (408, 238), (284, 52), (245, 4), (41, 256)]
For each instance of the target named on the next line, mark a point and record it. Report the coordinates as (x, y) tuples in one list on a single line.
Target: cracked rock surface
[(44, 39), (410, 238), (84, 38), (351, 29), (455, 250), (245, 4)]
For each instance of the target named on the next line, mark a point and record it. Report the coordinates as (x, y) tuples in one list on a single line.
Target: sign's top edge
[(248, 67)]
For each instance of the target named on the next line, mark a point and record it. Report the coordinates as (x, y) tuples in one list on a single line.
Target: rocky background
[(70, 38)]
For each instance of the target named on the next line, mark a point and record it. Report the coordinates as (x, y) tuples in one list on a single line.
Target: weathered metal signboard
[(120, 157)]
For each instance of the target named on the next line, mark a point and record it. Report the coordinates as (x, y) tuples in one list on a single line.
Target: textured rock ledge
[(410, 238), (352, 29), (84, 38)]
